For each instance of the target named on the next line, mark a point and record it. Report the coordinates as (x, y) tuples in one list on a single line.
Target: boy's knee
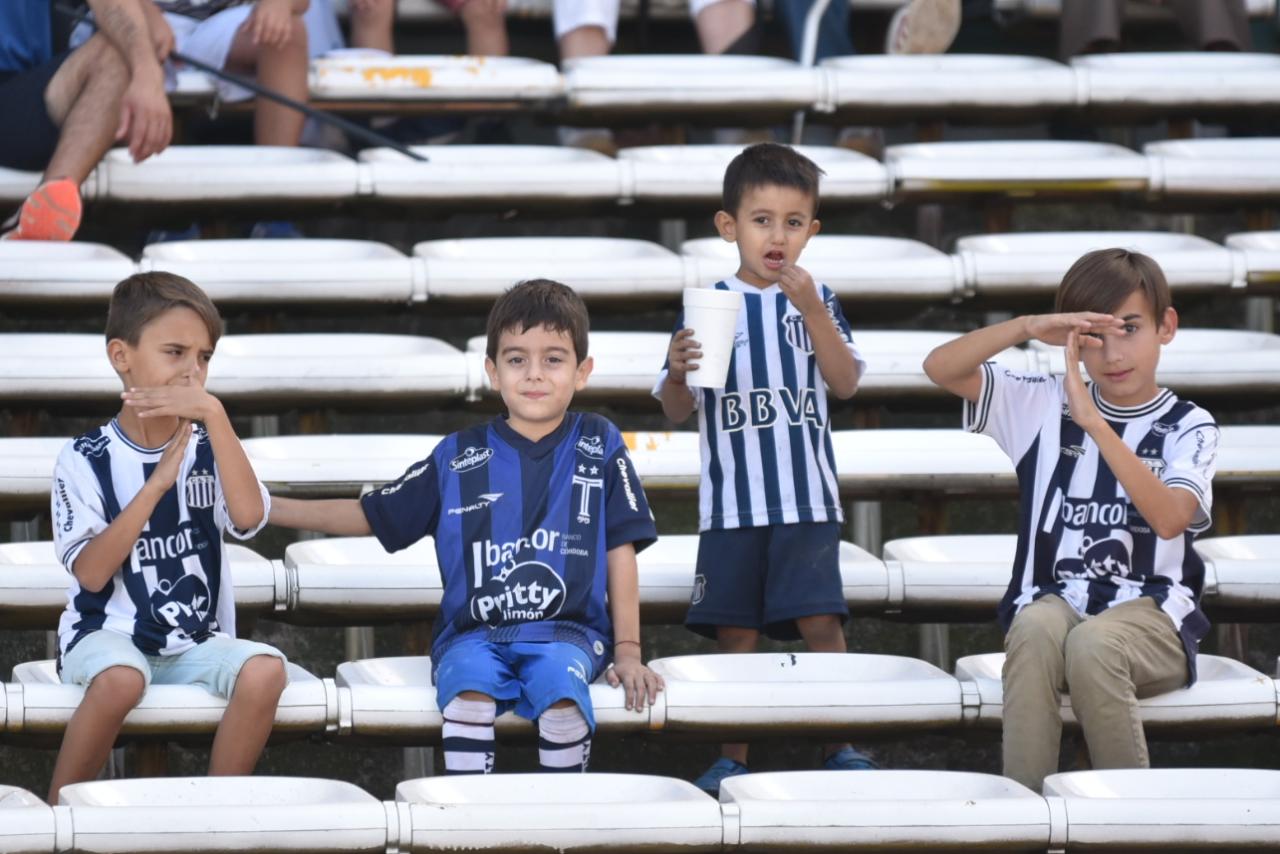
[(119, 687), (263, 677), (1091, 652), (1035, 633)]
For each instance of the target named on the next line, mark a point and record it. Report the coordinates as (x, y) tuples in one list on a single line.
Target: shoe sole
[(923, 26)]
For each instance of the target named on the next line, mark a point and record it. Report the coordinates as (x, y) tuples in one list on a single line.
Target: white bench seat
[(433, 78), (558, 812), (1227, 695), (955, 577), (1135, 84), (277, 814), (1244, 169), (306, 271), (811, 692), (1260, 256), (1242, 574), (1163, 809), (229, 173), (881, 811), (332, 464), (27, 824), (39, 271)]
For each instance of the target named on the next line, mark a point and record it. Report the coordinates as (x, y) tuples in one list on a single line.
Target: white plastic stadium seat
[(856, 268), (462, 175), (44, 705), (26, 823), (306, 270), (229, 173), (1153, 809), (812, 692), (558, 812), (26, 471), (1214, 168), (434, 78), (626, 363), (482, 268), (690, 83), (45, 271), (335, 464), (895, 360), (880, 811), (958, 577), (695, 173), (1126, 83), (1034, 262), (910, 87), (1227, 695), (1259, 251), (1015, 168), (277, 814), (16, 185), (33, 585), (1134, 11), (393, 699), (355, 581), (1201, 362), (1242, 573)]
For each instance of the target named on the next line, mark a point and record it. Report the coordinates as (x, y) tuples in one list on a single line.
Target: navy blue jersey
[(521, 528)]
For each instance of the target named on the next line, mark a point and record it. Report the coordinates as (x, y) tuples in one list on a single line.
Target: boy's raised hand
[(270, 22), (190, 402), (1053, 329), (639, 682), (1083, 410), (165, 474), (798, 285), (682, 354)]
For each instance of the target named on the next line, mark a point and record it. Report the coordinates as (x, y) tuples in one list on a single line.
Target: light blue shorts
[(214, 664), (524, 676)]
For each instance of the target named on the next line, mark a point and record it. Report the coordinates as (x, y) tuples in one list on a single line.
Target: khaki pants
[(1107, 663), (1087, 24)]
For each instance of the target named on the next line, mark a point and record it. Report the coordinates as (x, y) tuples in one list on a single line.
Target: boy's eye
[(795, 223), (515, 360), (1129, 329)]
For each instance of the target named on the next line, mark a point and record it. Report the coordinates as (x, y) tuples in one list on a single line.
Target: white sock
[(468, 736), (564, 740)]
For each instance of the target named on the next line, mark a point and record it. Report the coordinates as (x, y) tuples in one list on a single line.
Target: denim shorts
[(526, 676), (214, 664)]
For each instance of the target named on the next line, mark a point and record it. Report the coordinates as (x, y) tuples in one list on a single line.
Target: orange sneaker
[(52, 212)]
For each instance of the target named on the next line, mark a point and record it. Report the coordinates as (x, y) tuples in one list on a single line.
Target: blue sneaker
[(849, 759), (723, 768)]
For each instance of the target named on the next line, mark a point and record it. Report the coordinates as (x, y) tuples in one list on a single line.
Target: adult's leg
[(92, 730), (372, 23), (83, 99), (250, 714), (1034, 676), (723, 23), (1214, 24), (1089, 26), (1127, 652), (283, 69), (486, 24)]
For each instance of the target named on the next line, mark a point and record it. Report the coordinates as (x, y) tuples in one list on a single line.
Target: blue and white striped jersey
[(175, 590), (522, 530), (766, 436), (1079, 536)]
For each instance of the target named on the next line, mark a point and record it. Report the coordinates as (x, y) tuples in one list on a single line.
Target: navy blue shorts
[(763, 578), (28, 136)]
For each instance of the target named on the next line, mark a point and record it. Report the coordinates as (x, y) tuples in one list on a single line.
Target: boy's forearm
[(624, 601), (839, 367), (239, 483), (677, 401), (1168, 510), (103, 555), (340, 516), (955, 365)]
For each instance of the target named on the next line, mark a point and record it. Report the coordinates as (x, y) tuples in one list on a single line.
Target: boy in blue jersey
[(139, 507), (537, 518), (1116, 482), (768, 552)]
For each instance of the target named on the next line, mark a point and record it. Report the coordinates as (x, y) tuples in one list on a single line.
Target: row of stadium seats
[(1126, 87), (477, 270), (475, 176), (356, 369), (784, 812), (712, 697), (870, 463), (354, 581)]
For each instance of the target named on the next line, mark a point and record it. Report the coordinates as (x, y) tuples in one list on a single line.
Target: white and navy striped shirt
[(1079, 536), (766, 436), (174, 591)]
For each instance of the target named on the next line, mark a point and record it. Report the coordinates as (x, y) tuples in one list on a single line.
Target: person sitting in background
[(63, 111), (1094, 26)]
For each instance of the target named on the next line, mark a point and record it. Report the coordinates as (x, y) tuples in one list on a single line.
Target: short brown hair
[(768, 164), (1101, 280), (143, 297), (539, 302)]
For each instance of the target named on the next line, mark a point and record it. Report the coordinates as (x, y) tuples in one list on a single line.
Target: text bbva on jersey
[(760, 408)]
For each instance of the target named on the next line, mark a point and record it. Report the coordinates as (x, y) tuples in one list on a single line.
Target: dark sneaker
[(849, 759), (723, 768)]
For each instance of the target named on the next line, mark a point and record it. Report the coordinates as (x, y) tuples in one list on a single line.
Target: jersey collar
[(733, 283), (1130, 413), (123, 437), (540, 448)]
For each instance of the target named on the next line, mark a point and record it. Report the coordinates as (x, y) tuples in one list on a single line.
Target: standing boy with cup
[(769, 506)]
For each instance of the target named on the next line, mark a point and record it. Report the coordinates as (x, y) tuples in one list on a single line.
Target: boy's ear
[(815, 225), (1168, 326), (118, 355), (584, 370), (492, 370), (727, 226)]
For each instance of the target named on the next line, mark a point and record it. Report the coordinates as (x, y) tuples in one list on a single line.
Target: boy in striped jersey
[(139, 507), (1115, 480), (536, 515), (769, 516)]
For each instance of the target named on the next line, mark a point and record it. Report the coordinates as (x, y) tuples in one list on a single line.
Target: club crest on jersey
[(520, 593), (1162, 429), (796, 333), (202, 490), (584, 489), (591, 446), (469, 459), (181, 604), (91, 447), (1098, 559)]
